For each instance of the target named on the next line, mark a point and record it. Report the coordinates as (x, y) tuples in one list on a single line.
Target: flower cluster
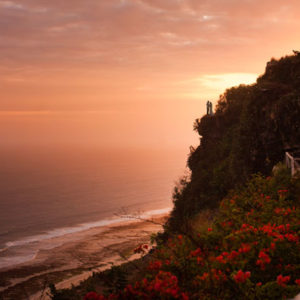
[(251, 251), (241, 276), (282, 280), (141, 249)]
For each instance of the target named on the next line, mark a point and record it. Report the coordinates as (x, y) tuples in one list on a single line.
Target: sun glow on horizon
[(210, 86), (226, 80)]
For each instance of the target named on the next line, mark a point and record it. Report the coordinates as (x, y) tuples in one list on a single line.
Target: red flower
[(241, 276), (218, 275), (272, 246), (297, 281), (233, 255), (277, 210), (204, 276), (264, 256), (244, 226), (157, 285), (92, 296), (220, 259), (156, 265), (196, 252), (184, 296), (209, 229), (281, 228), (259, 284), (282, 280), (280, 192), (245, 248), (291, 238), (141, 249), (289, 267), (199, 260)]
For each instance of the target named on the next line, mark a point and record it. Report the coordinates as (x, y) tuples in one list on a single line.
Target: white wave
[(61, 232), (15, 260), (55, 233), (157, 212)]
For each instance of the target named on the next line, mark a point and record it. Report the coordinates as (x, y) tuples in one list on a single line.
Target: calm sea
[(45, 193)]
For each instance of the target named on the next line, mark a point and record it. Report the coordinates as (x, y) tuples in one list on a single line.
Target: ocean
[(47, 193)]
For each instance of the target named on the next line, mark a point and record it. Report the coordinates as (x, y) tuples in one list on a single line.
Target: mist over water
[(50, 192)]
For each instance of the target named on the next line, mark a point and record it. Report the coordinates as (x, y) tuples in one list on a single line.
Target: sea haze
[(46, 193)]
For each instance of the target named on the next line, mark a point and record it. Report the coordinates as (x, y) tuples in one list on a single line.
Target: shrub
[(251, 251)]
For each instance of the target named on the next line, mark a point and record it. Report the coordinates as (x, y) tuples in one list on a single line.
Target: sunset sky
[(130, 72)]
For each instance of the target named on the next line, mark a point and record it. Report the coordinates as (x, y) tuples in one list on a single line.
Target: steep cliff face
[(249, 132)]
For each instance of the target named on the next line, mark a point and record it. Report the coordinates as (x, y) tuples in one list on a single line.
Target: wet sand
[(76, 258)]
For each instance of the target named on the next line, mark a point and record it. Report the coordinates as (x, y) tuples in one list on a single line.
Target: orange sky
[(130, 72)]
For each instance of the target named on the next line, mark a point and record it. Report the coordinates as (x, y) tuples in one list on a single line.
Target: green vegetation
[(234, 230)]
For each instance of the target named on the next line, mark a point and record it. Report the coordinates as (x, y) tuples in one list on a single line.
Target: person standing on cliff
[(210, 108), (207, 107)]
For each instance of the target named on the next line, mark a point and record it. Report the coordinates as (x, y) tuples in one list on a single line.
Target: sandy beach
[(76, 257)]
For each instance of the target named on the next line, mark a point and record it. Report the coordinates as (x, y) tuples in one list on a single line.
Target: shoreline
[(25, 249), (74, 260)]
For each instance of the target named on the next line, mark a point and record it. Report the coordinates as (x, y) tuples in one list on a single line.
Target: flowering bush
[(141, 249), (251, 251)]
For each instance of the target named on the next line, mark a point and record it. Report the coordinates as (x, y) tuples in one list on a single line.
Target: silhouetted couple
[(209, 108)]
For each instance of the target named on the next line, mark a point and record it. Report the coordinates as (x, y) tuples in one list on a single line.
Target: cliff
[(252, 127)]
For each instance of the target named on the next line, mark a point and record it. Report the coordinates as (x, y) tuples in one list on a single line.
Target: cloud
[(122, 44), (227, 80), (11, 5), (134, 29)]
